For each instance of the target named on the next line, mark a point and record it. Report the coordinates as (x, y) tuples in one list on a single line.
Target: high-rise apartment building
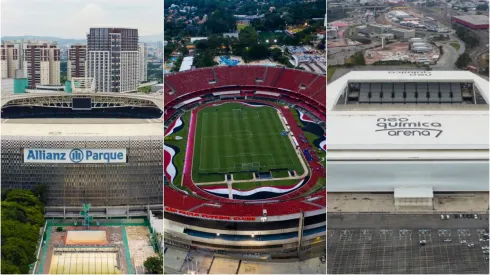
[(41, 63), (10, 59), (76, 62), (143, 57), (112, 59)]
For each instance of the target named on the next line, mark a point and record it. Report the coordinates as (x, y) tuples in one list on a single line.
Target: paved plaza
[(390, 244)]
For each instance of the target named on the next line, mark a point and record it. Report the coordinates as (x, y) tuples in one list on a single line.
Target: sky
[(74, 18)]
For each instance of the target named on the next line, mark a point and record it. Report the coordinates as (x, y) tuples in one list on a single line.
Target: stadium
[(98, 148), (244, 163), (414, 133)]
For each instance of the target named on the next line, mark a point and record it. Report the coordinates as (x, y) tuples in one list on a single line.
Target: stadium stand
[(306, 87)]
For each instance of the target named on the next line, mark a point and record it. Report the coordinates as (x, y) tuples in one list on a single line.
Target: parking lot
[(381, 249)]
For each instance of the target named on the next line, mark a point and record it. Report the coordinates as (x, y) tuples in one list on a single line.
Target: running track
[(289, 203)]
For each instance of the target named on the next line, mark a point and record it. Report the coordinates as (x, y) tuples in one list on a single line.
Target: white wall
[(372, 176)]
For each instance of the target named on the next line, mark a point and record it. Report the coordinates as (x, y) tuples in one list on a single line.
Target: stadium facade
[(417, 129), (102, 160)]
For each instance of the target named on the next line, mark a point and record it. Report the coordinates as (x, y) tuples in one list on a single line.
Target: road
[(483, 35), (450, 55)]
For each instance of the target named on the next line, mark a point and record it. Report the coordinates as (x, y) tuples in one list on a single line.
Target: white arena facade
[(424, 130)]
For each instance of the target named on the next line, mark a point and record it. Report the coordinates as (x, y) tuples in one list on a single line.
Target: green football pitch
[(236, 139)]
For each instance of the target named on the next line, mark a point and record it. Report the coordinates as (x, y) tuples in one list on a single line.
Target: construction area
[(416, 52), (113, 246)]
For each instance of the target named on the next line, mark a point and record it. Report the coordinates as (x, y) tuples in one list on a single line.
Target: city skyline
[(74, 18)]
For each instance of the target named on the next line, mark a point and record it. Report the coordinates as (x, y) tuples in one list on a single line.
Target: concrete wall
[(373, 176)]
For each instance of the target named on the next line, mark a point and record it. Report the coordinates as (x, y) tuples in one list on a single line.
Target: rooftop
[(474, 19), (407, 127), (82, 127)]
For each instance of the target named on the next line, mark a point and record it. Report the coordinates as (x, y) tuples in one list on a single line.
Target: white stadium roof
[(91, 128), (384, 128), (378, 147)]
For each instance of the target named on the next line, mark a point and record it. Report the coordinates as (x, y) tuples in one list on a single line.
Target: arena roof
[(156, 98), (401, 127), (474, 19), (143, 128)]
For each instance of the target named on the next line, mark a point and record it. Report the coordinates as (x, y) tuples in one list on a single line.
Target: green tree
[(205, 59), (275, 53), (463, 60), (23, 197), (5, 191), (358, 58), (248, 36), (154, 265), (469, 38), (11, 228), (168, 50), (144, 89), (177, 64), (482, 7), (19, 252), (9, 268), (219, 22), (255, 52), (273, 21), (21, 216)]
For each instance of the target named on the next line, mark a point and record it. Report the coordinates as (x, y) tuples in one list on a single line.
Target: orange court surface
[(86, 237)]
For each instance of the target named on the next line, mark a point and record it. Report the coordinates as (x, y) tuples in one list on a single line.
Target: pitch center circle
[(241, 135)]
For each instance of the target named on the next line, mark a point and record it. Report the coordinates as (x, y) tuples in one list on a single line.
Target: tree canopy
[(255, 52), (463, 60), (22, 216), (482, 7), (220, 22), (468, 37), (248, 36), (154, 265)]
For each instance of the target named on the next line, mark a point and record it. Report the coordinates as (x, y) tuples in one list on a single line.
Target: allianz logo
[(75, 155), (404, 127)]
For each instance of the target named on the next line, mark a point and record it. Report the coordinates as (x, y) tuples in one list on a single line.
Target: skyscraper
[(41, 63), (10, 59), (143, 59), (112, 59), (76, 62)]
